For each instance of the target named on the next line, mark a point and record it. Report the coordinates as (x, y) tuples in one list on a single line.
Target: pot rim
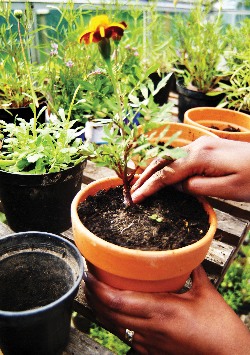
[(38, 179), (143, 253), (181, 125), (51, 305), (218, 109)]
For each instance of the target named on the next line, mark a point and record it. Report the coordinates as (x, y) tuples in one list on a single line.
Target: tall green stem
[(33, 94), (117, 94)]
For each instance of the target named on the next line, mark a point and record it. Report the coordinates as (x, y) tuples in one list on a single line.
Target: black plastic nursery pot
[(40, 274), (189, 99), (40, 202), (161, 97), (26, 113)]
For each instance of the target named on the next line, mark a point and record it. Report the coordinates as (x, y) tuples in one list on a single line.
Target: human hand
[(198, 322), (213, 167)]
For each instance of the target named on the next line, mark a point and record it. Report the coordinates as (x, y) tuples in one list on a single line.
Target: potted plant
[(237, 89), (41, 169), (225, 123), (16, 40), (68, 65), (123, 266), (158, 52), (41, 165), (199, 40)]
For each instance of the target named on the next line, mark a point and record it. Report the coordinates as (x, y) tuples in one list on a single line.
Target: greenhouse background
[(47, 12)]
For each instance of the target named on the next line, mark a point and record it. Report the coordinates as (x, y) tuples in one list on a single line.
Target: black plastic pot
[(40, 202), (40, 274), (23, 112), (190, 99), (161, 97)]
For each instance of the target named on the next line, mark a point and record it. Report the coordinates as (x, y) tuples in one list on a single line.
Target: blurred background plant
[(237, 58), (15, 90), (200, 44), (235, 287)]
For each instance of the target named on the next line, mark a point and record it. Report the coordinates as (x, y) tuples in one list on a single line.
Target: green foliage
[(55, 147), (199, 40), (235, 287), (156, 218), (237, 45), (33, 148), (238, 89), (127, 142), (2, 217), (108, 340), (17, 37)]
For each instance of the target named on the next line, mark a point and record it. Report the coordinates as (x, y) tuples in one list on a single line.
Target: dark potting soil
[(181, 219), (227, 129)]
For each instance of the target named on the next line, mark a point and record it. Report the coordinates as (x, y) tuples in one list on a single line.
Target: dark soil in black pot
[(166, 220)]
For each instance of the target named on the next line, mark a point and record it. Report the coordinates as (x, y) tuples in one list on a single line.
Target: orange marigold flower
[(100, 27)]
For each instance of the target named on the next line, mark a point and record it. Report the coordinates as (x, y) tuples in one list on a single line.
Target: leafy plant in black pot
[(200, 43), (16, 40), (41, 170)]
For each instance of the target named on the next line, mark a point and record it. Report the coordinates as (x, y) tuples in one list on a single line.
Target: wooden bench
[(233, 226)]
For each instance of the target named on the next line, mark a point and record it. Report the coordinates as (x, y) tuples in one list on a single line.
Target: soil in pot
[(167, 220), (227, 129)]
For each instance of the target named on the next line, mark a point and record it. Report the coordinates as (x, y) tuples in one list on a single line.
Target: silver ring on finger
[(129, 335)]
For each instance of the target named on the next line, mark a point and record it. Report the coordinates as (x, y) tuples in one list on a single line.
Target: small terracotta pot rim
[(207, 108), (215, 131), (144, 253), (188, 126)]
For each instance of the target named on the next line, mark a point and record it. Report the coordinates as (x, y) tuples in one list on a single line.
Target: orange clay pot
[(205, 117), (189, 133), (123, 268)]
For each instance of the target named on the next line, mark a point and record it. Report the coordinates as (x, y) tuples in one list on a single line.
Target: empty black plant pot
[(40, 275), (189, 99), (40, 202)]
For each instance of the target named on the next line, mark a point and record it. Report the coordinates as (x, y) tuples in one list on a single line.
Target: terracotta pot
[(205, 117), (123, 268), (189, 133)]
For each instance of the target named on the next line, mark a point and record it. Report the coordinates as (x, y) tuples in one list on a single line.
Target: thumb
[(199, 278)]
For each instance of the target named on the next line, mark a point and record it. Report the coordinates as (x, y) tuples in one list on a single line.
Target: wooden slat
[(236, 209), (219, 253), (81, 344)]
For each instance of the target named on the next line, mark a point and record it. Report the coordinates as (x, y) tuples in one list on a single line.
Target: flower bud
[(18, 14)]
